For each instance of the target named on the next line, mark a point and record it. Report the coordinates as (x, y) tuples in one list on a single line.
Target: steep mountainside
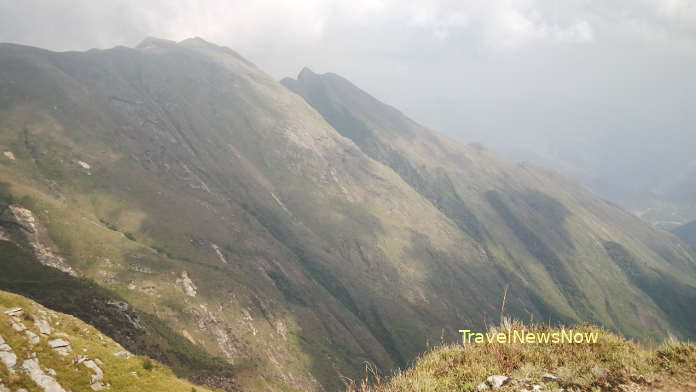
[(43, 350), (294, 240), (562, 249), (650, 170), (687, 233)]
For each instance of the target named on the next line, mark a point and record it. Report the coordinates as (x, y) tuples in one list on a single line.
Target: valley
[(257, 235)]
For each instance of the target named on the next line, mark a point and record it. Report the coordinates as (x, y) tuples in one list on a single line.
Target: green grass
[(88, 301), (610, 362), (122, 374)]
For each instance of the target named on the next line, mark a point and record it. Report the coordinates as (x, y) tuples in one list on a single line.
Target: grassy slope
[(330, 256), (612, 363), (81, 298), (544, 233), (195, 130), (85, 340)]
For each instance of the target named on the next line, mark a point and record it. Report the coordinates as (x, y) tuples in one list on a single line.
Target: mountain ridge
[(304, 235), (687, 233)]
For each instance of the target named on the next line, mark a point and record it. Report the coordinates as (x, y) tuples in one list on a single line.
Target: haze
[(591, 88)]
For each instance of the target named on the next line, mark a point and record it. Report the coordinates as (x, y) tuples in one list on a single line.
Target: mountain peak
[(306, 73), (154, 42), (196, 42)]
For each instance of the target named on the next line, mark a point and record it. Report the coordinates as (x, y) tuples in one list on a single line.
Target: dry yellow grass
[(611, 364)]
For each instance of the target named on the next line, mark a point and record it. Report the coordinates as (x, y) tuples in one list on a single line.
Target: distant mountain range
[(275, 236), (651, 172)]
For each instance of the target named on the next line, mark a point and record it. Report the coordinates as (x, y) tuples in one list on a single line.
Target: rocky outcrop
[(32, 338), (81, 363), (219, 254), (37, 237), (518, 384), (97, 375), (60, 346), (15, 315), (7, 356), (44, 326), (186, 284), (43, 380)]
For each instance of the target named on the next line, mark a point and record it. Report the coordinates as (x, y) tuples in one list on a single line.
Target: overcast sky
[(488, 70)]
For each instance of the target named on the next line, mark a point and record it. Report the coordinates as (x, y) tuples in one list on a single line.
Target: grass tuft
[(609, 364)]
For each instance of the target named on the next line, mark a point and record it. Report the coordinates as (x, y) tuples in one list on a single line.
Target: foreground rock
[(46, 382), (41, 357)]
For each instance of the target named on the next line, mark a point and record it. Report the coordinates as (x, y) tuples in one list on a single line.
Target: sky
[(532, 78)]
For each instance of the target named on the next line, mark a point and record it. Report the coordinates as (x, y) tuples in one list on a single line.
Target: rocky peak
[(307, 74)]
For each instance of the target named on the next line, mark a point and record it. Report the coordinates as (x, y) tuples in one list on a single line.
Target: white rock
[(44, 326), (97, 375), (51, 372), (32, 338), (219, 254), (186, 284), (17, 325), (497, 381), (9, 359), (84, 165), (4, 388), (46, 382), (14, 312), (537, 388), (58, 343), (482, 387), (61, 346), (9, 155)]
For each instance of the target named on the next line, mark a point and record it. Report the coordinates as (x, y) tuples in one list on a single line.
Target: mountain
[(650, 171), (41, 349), (536, 227), (276, 240), (687, 233)]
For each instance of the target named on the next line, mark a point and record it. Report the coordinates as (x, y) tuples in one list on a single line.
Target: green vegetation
[(139, 332), (232, 220), (121, 371)]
